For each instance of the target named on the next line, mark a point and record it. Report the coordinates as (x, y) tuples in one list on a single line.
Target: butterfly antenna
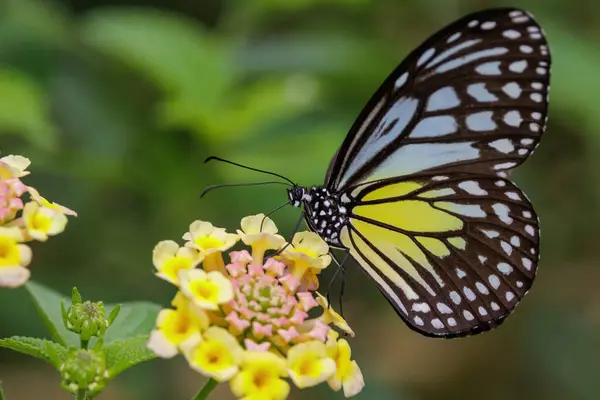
[(250, 168), (212, 187), (273, 212)]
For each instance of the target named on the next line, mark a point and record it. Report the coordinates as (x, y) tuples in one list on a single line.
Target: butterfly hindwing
[(453, 254), (473, 97)]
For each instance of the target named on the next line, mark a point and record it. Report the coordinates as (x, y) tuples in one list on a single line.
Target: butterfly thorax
[(324, 211)]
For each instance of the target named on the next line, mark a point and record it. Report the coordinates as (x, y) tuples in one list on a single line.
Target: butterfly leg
[(340, 267), (278, 252)]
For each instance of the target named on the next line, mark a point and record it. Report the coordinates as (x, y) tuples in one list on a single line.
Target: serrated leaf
[(43, 349), (124, 354), (48, 304), (134, 319)]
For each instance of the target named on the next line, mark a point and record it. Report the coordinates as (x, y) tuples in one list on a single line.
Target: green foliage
[(125, 353), (45, 350), (120, 347), (137, 318), (25, 109), (48, 304), (192, 68)]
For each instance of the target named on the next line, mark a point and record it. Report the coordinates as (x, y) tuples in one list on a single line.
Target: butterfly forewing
[(453, 254), (472, 98)]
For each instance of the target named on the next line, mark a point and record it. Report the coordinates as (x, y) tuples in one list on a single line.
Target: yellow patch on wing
[(395, 246), (359, 250), (410, 215), (434, 246), (458, 242), (394, 190), (432, 194)]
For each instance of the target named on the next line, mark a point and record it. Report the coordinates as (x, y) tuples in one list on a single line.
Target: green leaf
[(113, 314), (124, 354), (75, 296), (48, 304), (25, 109), (136, 318), (173, 51), (43, 349)]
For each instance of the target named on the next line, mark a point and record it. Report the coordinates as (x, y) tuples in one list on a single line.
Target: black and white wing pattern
[(473, 97), (454, 255)]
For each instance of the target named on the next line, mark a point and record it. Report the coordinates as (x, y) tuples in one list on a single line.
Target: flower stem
[(209, 386), (84, 344), (81, 395)]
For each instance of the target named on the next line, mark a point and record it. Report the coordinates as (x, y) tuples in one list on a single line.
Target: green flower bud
[(84, 370), (87, 319)]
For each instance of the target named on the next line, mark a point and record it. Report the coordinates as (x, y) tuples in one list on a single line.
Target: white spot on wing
[(529, 229), (443, 99), (443, 308), (502, 211), (436, 323), (452, 50), (481, 121), (468, 315), (503, 145), (489, 233), (455, 297), (512, 90), (401, 81), (468, 210), (421, 307), (479, 92), (440, 125), (416, 157), (460, 61), (505, 268), (482, 288), (469, 294), (518, 66), (506, 247), (489, 68), (494, 281), (472, 187), (511, 34), (515, 241), (513, 118), (425, 56)]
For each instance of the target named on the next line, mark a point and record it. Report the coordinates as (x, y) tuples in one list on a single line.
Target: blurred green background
[(118, 102)]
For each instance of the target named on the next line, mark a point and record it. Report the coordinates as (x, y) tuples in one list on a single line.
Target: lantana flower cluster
[(23, 220), (246, 321)]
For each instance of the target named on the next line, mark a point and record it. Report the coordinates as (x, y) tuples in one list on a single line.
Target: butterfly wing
[(473, 97), (453, 254)]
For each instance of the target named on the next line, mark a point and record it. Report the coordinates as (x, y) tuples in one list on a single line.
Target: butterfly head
[(325, 213), (298, 195)]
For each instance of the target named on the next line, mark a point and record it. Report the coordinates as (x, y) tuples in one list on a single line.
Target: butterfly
[(417, 193)]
